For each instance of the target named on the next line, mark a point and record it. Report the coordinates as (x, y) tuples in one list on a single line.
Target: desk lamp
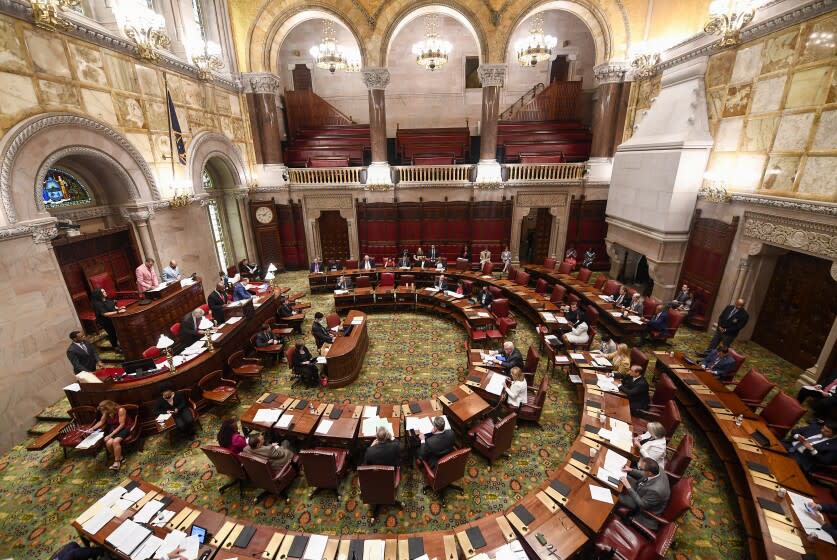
[(164, 343)]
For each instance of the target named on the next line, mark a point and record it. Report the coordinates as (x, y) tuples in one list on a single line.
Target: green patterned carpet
[(411, 356)]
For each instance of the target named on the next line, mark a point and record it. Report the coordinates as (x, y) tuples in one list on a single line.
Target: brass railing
[(545, 172), (434, 173), (326, 176)]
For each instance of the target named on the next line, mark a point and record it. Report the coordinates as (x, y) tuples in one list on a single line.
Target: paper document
[(370, 411), (335, 328), (285, 421), (267, 415), (148, 511), (340, 292), (161, 418), (619, 426), (205, 324), (98, 521), (423, 425), (603, 362), (316, 547), (120, 505), (127, 537), (496, 384), (216, 336), (369, 426), (562, 320), (357, 321), (635, 318), (604, 475), (186, 282), (614, 462), (147, 549), (575, 378), (548, 317), (373, 549), (325, 426), (173, 540), (562, 359), (601, 494), (321, 359), (91, 440), (233, 320), (74, 387), (162, 518), (576, 356)]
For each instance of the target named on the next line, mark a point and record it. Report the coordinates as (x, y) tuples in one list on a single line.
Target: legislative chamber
[(461, 280)]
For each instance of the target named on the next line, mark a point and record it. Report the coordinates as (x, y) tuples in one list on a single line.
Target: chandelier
[(45, 13), (206, 55), (537, 46), (432, 52), (144, 26), (728, 17), (328, 55), (353, 63)]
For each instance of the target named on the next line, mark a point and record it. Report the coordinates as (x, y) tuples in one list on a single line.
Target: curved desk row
[(344, 357)]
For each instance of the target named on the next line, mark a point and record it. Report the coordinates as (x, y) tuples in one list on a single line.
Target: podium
[(243, 308)]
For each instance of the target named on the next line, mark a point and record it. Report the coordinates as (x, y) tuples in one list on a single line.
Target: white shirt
[(171, 274), (579, 334), (654, 449), (516, 393)]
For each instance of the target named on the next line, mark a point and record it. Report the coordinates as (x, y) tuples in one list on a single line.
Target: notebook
[(244, 537), (451, 397), (523, 514), (301, 404), (476, 538)]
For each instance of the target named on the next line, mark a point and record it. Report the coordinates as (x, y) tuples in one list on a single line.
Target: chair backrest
[(663, 539), (83, 414), (225, 461), (543, 389), (289, 356), (753, 386), (235, 358), (175, 330), (584, 274), (549, 263), (504, 432), (674, 320), (782, 411), (495, 292), (408, 279), (500, 307), (664, 391), (351, 264), (591, 316), (670, 418), (232, 270), (611, 287), (512, 273), (151, 352), (262, 475), (362, 282), (102, 280), (565, 267), (209, 381), (649, 306), (639, 359), (541, 286), (467, 287), (205, 308), (558, 293), (533, 358), (682, 456), (133, 413), (333, 319), (451, 468), (488, 268), (599, 283), (573, 298), (378, 484), (320, 468), (387, 279), (739, 360), (680, 500), (522, 278)]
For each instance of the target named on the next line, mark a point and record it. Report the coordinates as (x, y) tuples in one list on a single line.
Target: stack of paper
[(576, 356), (186, 282), (162, 518), (321, 359), (232, 320), (370, 411), (267, 415), (496, 384), (612, 468), (357, 320), (562, 320), (373, 549), (95, 524), (147, 549), (635, 318), (575, 378), (483, 314), (340, 292), (195, 348), (127, 537), (370, 425), (162, 418), (600, 494), (810, 524), (605, 383), (91, 440), (325, 426), (74, 387), (423, 425), (148, 511), (604, 362), (548, 317), (316, 547), (285, 421), (205, 324)]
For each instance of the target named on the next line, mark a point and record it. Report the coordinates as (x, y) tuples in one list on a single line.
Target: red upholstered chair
[(408, 279), (243, 367), (324, 467), (175, 330), (495, 292), (739, 360), (573, 298), (584, 275), (387, 280), (680, 459), (549, 263), (226, 463), (530, 367), (151, 352), (541, 286), (558, 293), (333, 319), (492, 439), (262, 475), (669, 417), (674, 320), (467, 287), (591, 315), (217, 390), (82, 418), (289, 358), (463, 265), (232, 270), (105, 280), (135, 433), (649, 306), (639, 359), (488, 268), (476, 335), (363, 282), (512, 273), (449, 469), (351, 264), (565, 267), (664, 391), (782, 413), (379, 486), (752, 388), (272, 351), (599, 282), (503, 317), (206, 311), (611, 287), (532, 409), (522, 278)]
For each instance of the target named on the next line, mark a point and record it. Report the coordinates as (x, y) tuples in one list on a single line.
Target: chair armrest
[(645, 531), (228, 381), (779, 426), (484, 441), (529, 408), (610, 552), (728, 383), (753, 404), (648, 414), (287, 470), (251, 361)]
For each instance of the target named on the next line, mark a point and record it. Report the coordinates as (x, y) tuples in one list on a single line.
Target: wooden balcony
[(325, 176), (545, 172)]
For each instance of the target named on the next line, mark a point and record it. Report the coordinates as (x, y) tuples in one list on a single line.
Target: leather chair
[(584, 275), (135, 433), (408, 279), (591, 315), (351, 264), (205, 308), (151, 352), (739, 360), (467, 287), (363, 282), (591, 333), (558, 293), (243, 367), (680, 459), (669, 417), (549, 263), (324, 467), (449, 469), (503, 318), (674, 320), (639, 359), (226, 463), (81, 419), (664, 391), (273, 351), (611, 287), (488, 269), (175, 331), (476, 335), (217, 390), (782, 413), (379, 486), (549, 351), (531, 410), (492, 439), (530, 367), (565, 267), (289, 358), (463, 265), (599, 282), (512, 273), (573, 298), (103, 280), (522, 278), (333, 319), (541, 286), (752, 388), (387, 280), (262, 475), (649, 306), (495, 292)]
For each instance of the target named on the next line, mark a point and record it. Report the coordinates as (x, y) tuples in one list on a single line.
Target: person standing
[(216, 301), (506, 257), (146, 276), (102, 305), (171, 273), (82, 354), (730, 322)]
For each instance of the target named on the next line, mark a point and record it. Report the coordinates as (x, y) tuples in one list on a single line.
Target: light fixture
[(328, 55), (820, 40), (537, 46), (645, 56), (180, 200), (728, 17), (432, 52), (353, 63), (164, 343), (45, 13), (144, 26), (714, 188), (206, 55)]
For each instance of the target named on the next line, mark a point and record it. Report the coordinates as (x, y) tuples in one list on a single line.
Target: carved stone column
[(139, 218), (261, 91), (609, 81), (492, 78), (376, 80)]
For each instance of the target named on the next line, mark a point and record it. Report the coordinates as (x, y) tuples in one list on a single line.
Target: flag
[(175, 127)]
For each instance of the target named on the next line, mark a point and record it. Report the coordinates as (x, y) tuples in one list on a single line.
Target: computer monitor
[(348, 330), (139, 366), (199, 532)]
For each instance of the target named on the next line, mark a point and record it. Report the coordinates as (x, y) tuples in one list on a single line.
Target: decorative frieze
[(492, 74), (375, 78), (800, 235), (261, 82), (612, 72), (541, 199)]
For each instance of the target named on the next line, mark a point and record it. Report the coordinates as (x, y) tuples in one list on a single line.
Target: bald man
[(730, 322)]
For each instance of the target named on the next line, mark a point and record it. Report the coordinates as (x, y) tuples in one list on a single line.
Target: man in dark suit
[(436, 444), (645, 488), (265, 337), (827, 388), (635, 388), (320, 332), (384, 450), (344, 283), (441, 283), (658, 323), (574, 314), (239, 291), (813, 447), (719, 362), (190, 331), (485, 298), (216, 301), (513, 357), (286, 314), (404, 261), (317, 266), (82, 354), (174, 403), (367, 263), (730, 322)]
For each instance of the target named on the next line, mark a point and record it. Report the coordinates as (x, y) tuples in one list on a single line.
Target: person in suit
[(319, 330), (578, 335), (304, 365), (658, 323), (683, 295), (635, 388), (645, 488), (465, 254), (344, 283), (826, 389), (404, 260), (146, 276), (245, 267), (265, 337), (286, 314), (817, 510), (216, 301), (171, 402), (485, 256), (317, 266), (441, 282), (813, 447), (485, 298), (367, 263), (512, 356), (82, 354), (573, 315), (277, 454), (506, 258), (190, 331), (730, 322), (385, 450), (102, 305), (719, 362), (239, 291), (433, 254), (622, 299), (437, 443)]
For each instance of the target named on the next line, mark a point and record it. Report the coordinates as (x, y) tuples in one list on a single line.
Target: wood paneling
[(306, 109), (292, 235), (587, 228), (556, 102), (543, 228), (334, 235)]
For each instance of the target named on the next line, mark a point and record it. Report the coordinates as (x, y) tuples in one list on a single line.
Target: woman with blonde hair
[(652, 444), (621, 359), (516, 391), (117, 425)]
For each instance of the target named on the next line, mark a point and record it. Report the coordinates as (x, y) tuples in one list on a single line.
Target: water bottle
[(739, 419)]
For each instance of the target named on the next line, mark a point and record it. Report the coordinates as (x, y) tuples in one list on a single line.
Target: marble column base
[(599, 169), (378, 173), (489, 172)]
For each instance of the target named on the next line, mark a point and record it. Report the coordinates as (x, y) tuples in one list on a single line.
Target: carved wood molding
[(815, 238), (540, 200)]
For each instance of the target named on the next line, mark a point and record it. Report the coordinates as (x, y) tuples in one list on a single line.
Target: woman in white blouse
[(652, 444), (579, 334), (516, 391)]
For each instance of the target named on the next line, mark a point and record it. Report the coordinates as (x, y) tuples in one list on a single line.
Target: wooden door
[(302, 77), (543, 230), (560, 69), (334, 235), (798, 310)]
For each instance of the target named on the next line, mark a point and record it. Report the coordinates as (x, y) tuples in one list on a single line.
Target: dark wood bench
[(298, 157), (353, 130), (412, 150), (316, 142), (572, 151), (545, 136), (44, 440), (528, 126)]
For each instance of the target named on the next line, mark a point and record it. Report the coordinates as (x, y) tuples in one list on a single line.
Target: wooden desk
[(495, 530), (549, 520), (343, 430), (468, 408), (139, 326), (345, 357)]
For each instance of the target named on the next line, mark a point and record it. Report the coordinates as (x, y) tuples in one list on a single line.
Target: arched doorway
[(535, 233)]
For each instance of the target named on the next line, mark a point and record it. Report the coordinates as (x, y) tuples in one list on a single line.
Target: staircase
[(555, 102), (525, 99), (306, 109)]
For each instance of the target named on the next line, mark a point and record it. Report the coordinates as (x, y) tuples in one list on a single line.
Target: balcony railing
[(446, 174), (326, 176), (545, 172)]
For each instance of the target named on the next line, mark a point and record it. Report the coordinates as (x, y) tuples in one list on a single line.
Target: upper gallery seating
[(329, 146), (432, 146), (542, 141)]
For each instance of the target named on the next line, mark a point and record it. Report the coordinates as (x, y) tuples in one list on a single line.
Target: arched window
[(62, 189)]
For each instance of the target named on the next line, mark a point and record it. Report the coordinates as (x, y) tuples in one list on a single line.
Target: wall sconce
[(143, 26), (728, 17), (714, 188), (206, 56), (45, 13), (180, 200)]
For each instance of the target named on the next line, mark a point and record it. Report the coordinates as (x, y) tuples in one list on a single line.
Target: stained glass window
[(63, 189)]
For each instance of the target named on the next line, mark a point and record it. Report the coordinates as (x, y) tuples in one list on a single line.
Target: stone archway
[(206, 146)]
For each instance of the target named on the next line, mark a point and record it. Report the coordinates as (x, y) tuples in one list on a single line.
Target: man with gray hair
[(437, 444), (385, 450), (512, 357), (190, 331)]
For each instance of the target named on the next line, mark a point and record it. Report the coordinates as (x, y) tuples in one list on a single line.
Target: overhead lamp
[(432, 52), (328, 55), (537, 46), (206, 56), (728, 17), (45, 13), (143, 26)]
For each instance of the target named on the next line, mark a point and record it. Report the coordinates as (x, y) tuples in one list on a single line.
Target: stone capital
[(492, 74), (375, 78), (260, 82), (137, 214), (612, 72)]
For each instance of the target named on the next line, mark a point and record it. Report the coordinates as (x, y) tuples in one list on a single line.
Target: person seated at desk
[(719, 362), (317, 266), (441, 283), (465, 254), (635, 387), (190, 331), (817, 510), (683, 300), (636, 304), (389, 262), (239, 291), (171, 273), (571, 256), (277, 454), (578, 335), (367, 263), (512, 357), (484, 297), (622, 299), (224, 278), (265, 337), (216, 301), (813, 447), (421, 262), (146, 276), (621, 360), (116, 424), (229, 437), (516, 389), (652, 444), (437, 443), (320, 332), (827, 389), (506, 258), (440, 264), (334, 265), (246, 268), (404, 261), (645, 488), (485, 256), (286, 314), (304, 365), (460, 288), (658, 323), (171, 402), (344, 283), (102, 304), (419, 255), (607, 345), (433, 254), (82, 354), (385, 450), (573, 314)]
